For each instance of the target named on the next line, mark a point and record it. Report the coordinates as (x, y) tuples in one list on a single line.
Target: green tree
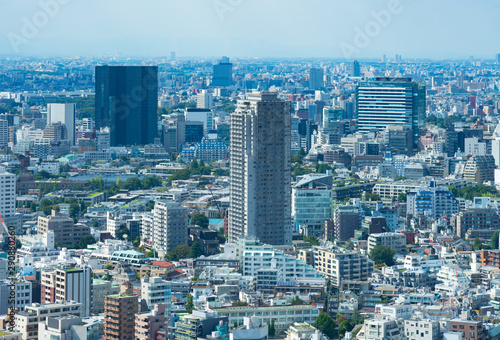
[(150, 182), (326, 324), (179, 252), (402, 197), (137, 241), (86, 240), (200, 219), (478, 245), (189, 304), (194, 164), (119, 182), (494, 240), (132, 183), (296, 301), (313, 240), (372, 197), (383, 254), (195, 250), (344, 326), (150, 253), (271, 329)]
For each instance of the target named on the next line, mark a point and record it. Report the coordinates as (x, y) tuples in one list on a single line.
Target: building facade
[(126, 101), (260, 201)]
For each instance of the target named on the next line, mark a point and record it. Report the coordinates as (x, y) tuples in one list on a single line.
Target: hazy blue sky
[(246, 28)]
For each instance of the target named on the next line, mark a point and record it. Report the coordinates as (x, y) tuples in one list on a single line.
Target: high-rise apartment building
[(7, 195), (4, 133), (126, 100), (64, 114), (223, 73), (260, 169), (316, 78), (119, 314), (169, 226), (390, 101)]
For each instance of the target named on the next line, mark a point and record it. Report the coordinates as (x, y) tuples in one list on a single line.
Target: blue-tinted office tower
[(355, 69), (223, 73), (390, 101), (126, 100)]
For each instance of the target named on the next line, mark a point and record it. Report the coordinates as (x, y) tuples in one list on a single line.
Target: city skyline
[(330, 29)]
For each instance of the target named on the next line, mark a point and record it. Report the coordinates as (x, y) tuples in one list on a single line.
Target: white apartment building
[(155, 290), (169, 227), (7, 195), (269, 266), (473, 147), (421, 329), (283, 316), (396, 241), (415, 262), (380, 329), (27, 321), (394, 311), (205, 100)]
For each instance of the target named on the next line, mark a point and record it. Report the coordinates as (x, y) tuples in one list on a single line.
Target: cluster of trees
[(470, 192), (337, 328), (195, 168), (184, 251), (200, 219), (313, 240), (132, 183), (447, 122), (82, 244), (46, 175), (478, 245), (383, 255)]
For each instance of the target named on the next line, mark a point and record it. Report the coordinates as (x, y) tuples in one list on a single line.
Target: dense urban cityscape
[(253, 198)]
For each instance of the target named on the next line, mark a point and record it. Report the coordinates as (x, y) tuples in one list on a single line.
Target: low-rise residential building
[(344, 266), (283, 316), (380, 329), (27, 321), (421, 329), (394, 240)]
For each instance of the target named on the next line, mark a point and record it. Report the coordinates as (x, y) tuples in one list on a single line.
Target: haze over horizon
[(257, 28)]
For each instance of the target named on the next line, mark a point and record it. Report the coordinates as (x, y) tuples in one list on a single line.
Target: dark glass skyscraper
[(126, 100)]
